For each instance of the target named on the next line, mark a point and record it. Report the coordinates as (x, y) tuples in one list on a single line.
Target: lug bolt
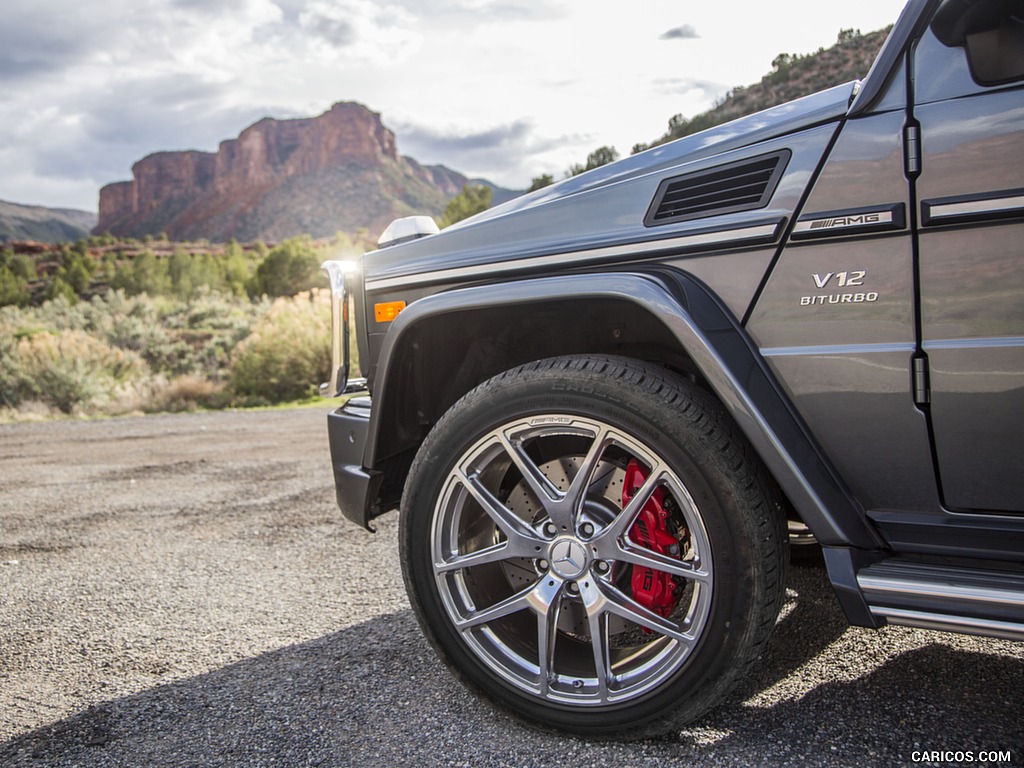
[(542, 565), (587, 529), (550, 529), (602, 567), (573, 588)]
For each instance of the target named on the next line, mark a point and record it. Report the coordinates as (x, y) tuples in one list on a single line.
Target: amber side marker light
[(387, 311)]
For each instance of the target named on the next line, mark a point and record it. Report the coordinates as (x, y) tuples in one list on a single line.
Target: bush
[(147, 274), (12, 391), (188, 393), (289, 268), (13, 288), (69, 370), (288, 352)]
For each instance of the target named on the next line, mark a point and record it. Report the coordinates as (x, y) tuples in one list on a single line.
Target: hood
[(566, 213), (777, 121)]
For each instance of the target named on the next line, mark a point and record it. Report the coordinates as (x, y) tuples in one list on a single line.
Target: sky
[(499, 89)]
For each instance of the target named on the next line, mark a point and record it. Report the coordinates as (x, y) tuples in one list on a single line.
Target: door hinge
[(922, 388), (912, 150)]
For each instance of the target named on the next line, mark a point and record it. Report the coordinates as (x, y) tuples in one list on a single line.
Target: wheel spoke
[(539, 484), (602, 598), (513, 526), (602, 661), (656, 561), (537, 597), (513, 604), (495, 554), (577, 491), (625, 520), (547, 632)]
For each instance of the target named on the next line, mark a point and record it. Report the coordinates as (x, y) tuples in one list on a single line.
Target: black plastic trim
[(781, 158), (356, 488)]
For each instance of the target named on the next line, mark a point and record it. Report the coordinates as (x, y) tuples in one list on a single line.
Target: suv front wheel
[(590, 543)]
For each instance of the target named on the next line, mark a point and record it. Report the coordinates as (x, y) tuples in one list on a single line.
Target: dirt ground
[(180, 590)]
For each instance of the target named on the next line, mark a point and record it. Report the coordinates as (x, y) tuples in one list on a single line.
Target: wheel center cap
[(568, 558)]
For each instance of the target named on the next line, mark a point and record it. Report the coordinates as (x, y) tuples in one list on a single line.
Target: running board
[(947, 598)]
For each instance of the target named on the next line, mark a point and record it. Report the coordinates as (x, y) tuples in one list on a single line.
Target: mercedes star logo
[(568, 558)]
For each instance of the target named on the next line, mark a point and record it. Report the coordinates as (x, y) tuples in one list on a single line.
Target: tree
[(539, 182), (291, 267), (12, 288), (79, 276), (20, 264), (473, 199), (60, 288), (597, 158), (236, 268), (146, 274)]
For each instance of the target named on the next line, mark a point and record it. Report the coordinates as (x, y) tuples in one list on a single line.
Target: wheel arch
[(442, 346)]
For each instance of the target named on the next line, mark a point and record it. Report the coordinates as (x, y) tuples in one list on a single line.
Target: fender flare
[(719, 347)]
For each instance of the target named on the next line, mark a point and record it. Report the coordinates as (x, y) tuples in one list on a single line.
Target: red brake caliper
[(652, 589)]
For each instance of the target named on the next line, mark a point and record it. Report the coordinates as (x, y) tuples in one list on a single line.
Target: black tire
[(541, 599)]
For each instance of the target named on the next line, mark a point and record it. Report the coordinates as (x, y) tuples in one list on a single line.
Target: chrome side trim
[(1005, 630), (998, 341), (970, 208), (970, 593), (758, 232), (947, 598), (839, 349)]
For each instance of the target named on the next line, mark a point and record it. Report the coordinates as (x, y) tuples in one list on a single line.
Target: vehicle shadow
[(374, 695)]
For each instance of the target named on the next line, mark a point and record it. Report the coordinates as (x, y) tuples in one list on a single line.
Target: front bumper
[(357, 488)]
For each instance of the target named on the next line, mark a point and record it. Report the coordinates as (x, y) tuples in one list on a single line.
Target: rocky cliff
[(279, 178)]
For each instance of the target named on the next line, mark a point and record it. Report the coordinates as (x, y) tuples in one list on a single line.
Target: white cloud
[(507, 89), (383, 35)]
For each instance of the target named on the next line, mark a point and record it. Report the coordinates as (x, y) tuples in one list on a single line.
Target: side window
[(970, 46)]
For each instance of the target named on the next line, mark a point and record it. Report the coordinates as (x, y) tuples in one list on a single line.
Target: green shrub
[(20, 264), (13, 288), (12, 377), (146, 274), (288, 352), (59, 288), (71, 369), (289, 268), (188, 393)]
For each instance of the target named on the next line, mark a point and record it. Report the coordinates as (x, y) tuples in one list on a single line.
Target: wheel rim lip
[(637, 674)]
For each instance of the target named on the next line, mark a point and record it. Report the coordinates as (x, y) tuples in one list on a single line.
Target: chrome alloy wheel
[(534, 550)]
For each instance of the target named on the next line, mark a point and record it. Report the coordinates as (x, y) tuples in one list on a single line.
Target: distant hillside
[(339, 171), (792, 76), (46, 225)]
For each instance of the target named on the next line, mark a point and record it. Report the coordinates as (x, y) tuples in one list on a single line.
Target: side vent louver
[(741, 186)]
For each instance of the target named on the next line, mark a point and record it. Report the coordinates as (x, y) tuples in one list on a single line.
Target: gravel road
[(181, 591)]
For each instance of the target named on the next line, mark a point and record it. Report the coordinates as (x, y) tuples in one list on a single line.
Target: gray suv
[(601, 406)]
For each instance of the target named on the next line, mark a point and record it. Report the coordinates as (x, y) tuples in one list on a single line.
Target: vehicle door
[(968, 101)]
